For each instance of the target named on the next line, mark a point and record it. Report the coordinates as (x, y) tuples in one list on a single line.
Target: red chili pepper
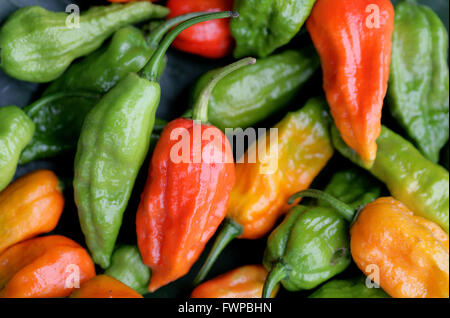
[(211, 39), (184, 202)]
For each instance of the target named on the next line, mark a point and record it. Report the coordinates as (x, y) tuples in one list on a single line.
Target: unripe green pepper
[(419, 77), (37, 45), (255, 92), (265, 25), (351, 288), (311, 245), (128, 267), (16, 130), (420, 184)]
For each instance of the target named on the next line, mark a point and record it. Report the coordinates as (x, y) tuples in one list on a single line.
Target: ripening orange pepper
[(29, 206), (104, 286), (243, 282), (49, 266), (354, 41), (410, 253)]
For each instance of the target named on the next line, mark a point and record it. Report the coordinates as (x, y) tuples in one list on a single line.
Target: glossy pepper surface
[(37, 46), (211, 39), (350, 288), (354, 41), (420, 184), (29, 206), (419, 80), (16, 131), (104, 286), (255, 92), (311, 245), (259, 197), (265, 25), (49, 266), (411, 253), (112, 147), (127, 266), (185, 198), (243, 282)]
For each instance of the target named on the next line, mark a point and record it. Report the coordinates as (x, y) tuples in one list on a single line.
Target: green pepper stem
[(230, 230), (152, 70), (276, 275), (200, 109), (342, 208)]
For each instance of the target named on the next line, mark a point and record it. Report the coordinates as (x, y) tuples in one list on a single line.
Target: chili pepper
[(48, 266), (29, 206), (104, 286), (182, 193), (265, 25), (210, 39), (351, 288), (127, 267), (419, 80), (311, 245), (37, 46), (16, 131), (112, 147), (255, 92), (411, 178), (259, 197), (445, 157), (355, 50), (243, 282)]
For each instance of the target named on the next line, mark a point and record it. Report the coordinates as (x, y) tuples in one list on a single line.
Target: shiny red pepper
[(211, 39), (187, 191)]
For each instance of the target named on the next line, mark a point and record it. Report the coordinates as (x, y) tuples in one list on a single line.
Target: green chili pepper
[(311, 245), (351, 288), (265, 25), (128, 267), (419, 77), (16, 130), (255, 92), (37, 45), (420, 184), (112, 147)]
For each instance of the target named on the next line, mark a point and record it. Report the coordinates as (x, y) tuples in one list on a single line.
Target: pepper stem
[(152, 70), (230, 230), (276, 275), (342, 208), (200, 109)]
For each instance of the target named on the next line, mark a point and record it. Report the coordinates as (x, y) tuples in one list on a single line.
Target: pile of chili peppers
[(384, 209)]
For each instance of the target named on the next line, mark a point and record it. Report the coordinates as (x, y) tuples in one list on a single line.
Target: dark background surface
[(182, 70)]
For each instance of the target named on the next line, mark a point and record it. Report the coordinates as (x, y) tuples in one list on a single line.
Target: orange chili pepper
[(104, 286), (354, 41), (48, 266), (29, 206), (243, 282), (411, 254)]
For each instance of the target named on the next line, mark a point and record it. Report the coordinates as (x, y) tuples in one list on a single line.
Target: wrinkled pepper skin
[(411, 178), (29, 206), (127, 266), (37, 46), (243, 282), (104, 286), (211, 39), (265, 25), (44, 267), (351, 288), (411, 253), (419, 80), (255, 92), (16, 131), (355, 59), (111, 150)]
